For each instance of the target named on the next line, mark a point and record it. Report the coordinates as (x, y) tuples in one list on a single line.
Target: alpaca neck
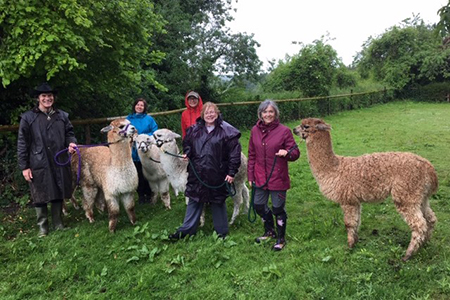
[(172, 164), (120, 153), (320, 153)]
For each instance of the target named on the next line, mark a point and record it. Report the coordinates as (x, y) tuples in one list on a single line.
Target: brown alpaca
[(350, 181), (108, 174)]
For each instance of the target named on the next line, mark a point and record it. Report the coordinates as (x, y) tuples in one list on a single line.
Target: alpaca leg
[(128, 204), (155, 192), (237, 200), (202, 217), (100, 201), (165, 195), (246, 197), (89, 195), (352, 220), (416, 222), (113, 211), (64, 208), (430, 217), (74, 202)]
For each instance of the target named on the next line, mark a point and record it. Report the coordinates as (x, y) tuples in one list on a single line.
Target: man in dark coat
[(43, 132), (214, 152)]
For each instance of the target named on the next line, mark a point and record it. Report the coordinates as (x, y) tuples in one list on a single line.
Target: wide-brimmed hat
[(44, 88), (193, 94)]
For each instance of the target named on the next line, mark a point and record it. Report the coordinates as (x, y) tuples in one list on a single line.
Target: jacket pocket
[(37, 158)]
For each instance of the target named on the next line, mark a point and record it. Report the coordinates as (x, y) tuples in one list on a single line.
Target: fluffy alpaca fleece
[(350, 181), (108, 173), (176, 170), (149, 154)]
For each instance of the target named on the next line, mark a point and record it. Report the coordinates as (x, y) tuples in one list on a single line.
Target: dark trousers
[(143, 186), (194, 211)]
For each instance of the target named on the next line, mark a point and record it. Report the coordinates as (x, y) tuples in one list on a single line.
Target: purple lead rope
[(77, 148)]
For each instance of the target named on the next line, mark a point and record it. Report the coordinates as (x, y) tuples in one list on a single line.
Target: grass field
[(87, 262)]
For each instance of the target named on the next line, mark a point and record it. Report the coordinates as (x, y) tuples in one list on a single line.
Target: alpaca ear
[(106, 129), (323, 127), (176, 135)]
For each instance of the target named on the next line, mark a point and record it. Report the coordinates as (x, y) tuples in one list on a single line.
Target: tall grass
[(87, 262)]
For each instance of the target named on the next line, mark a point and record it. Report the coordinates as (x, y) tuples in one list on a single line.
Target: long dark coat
[(214, 155), (38, 142)]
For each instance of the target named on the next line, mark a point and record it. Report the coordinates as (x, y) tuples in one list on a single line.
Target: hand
[(72, 147), (229, 179), (250, 183), (27, 174), (185, 157), (281, 153)]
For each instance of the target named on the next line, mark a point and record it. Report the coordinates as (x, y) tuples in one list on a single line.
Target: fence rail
[(12, 128)]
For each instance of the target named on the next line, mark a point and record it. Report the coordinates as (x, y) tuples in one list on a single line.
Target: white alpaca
[(149, 154), (176, 170), (351, 181), (108, 173)]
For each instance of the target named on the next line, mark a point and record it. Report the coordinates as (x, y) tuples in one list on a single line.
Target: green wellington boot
[(42, 220), (57, 215)]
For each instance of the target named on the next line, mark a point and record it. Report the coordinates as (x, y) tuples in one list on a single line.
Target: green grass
[(87, 262)]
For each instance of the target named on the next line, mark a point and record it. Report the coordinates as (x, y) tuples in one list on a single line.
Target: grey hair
[(265, 104)]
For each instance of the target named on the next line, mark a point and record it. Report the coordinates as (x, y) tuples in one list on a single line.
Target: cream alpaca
[(176, 170), (149, 155), (108, 173), (350, 181)]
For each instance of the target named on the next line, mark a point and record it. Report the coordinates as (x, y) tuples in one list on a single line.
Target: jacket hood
[(198, 107)]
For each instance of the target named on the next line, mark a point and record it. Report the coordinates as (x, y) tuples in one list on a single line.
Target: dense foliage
[(199, 46), (406, 55), (95, 52), (313, 71)]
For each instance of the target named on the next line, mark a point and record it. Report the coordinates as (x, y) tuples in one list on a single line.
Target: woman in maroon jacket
[(271, 142)]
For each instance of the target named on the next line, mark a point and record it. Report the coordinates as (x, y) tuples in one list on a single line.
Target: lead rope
[(77, 149), (230, 187)]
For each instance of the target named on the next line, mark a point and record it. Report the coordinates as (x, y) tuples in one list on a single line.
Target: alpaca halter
[(159, 142), (146, 144)]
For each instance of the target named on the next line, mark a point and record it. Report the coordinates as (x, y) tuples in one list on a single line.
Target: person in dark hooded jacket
[(214, 152), (43, 132)]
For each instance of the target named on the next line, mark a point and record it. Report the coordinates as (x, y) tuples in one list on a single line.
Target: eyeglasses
[(192, 99)]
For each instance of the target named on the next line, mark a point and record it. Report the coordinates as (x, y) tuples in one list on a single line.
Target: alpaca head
[(119, 129), (143, 142), (310, 126), (163, 138)]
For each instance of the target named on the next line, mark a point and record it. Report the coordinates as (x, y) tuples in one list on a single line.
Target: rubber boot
[(269, 231), (281, 230), (42, 220), (57, 215)]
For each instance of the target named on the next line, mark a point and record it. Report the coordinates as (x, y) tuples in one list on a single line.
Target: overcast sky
[(276, 23)]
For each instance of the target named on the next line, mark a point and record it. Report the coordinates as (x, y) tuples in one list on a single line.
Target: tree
[(198, 48), (443, 26), (94, 51), (314, 71), (405, 55)]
